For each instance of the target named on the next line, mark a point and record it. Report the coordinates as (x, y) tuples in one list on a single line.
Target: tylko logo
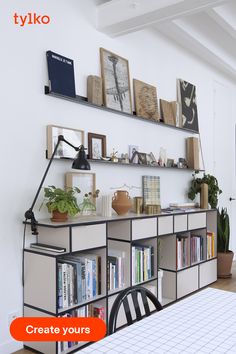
[(31, 19)]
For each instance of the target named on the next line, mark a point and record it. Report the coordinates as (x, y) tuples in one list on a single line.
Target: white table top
[(202, 323)]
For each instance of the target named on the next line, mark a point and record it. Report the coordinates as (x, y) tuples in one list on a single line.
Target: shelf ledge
[(84, 101)]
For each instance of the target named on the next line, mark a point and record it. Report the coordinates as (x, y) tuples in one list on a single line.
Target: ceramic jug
[(121, 202)]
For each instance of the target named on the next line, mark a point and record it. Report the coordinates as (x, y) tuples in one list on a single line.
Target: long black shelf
[(84, 101), (104, 162), (140, 165)]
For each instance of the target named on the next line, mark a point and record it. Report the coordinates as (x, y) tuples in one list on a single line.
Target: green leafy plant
[(62, 200), (213, 188), (223, 230)]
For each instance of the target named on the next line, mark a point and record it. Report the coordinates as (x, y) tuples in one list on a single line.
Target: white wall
[(25, 112)]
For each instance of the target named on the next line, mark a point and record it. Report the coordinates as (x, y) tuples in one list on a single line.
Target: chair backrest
[(122, 298)]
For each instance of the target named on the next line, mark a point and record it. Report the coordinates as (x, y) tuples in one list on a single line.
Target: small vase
[(87, 207), (204, 196), (59, 217), (121, 202)]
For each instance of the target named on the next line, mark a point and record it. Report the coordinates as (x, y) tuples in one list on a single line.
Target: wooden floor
[(223, 284)]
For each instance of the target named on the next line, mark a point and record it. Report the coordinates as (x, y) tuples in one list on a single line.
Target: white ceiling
[(205, 27)]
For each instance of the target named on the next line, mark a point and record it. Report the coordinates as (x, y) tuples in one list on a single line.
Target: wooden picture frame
[(145, 98), (116, 81), (96, 146), (85, 181), (64, 151)]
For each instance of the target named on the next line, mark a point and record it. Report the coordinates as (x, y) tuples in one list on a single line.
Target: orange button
[(51, 329)]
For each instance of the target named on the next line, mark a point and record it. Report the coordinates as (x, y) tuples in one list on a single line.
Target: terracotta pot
[(224, 264), (59, 217), (121, 202)]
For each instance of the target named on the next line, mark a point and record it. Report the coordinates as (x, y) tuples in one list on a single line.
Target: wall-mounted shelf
[(83, 100), (104, 162), (140, 165)]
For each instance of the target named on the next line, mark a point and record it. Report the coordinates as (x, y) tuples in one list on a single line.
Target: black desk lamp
[(79, 163)]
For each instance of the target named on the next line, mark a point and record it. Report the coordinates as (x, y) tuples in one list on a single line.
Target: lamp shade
[(81, 162)]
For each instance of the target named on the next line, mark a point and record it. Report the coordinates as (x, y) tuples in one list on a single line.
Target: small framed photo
[(85, 181), (64, 151), (170, 163), (116, 81), (96, 146), (151, 159), (132, 150), (142, 157)]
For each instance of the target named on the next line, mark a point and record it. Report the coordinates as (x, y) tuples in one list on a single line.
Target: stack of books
[(91, 310), (210, 244), (182, 249), (79, 279), (196, 249), (142, 263), (116, 270)]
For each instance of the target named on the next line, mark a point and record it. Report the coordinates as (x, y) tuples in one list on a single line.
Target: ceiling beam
[(187, 40), (222, 21), (119, 17)]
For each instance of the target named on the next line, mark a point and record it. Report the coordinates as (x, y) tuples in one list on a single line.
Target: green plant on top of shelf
[(62, 200), (213, 188)]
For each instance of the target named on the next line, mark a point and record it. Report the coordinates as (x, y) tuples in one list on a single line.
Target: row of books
[(91, 310), (196, 248), (142, 263), (210, 244), (116, 276), (79, 279), (182, 247)]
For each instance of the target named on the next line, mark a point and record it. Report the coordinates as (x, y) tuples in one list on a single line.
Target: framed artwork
[(132, 150), (85, 181), (151, 160), (64, 151), (142, 157), (145, 98), (186, 93), (151, 190), (116, 81), (96, 146), (170, 163)]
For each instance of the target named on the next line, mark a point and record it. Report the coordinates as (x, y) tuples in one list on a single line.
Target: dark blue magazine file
[(61, 74)]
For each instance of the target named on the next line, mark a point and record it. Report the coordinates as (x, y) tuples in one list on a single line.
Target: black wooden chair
[(122, 298)]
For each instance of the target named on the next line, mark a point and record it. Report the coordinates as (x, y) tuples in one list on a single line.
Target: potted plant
[(213, 188), (224, 255), (61, 203)]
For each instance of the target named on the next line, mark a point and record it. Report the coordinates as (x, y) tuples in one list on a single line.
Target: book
[(45, 247), (61, 74)]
